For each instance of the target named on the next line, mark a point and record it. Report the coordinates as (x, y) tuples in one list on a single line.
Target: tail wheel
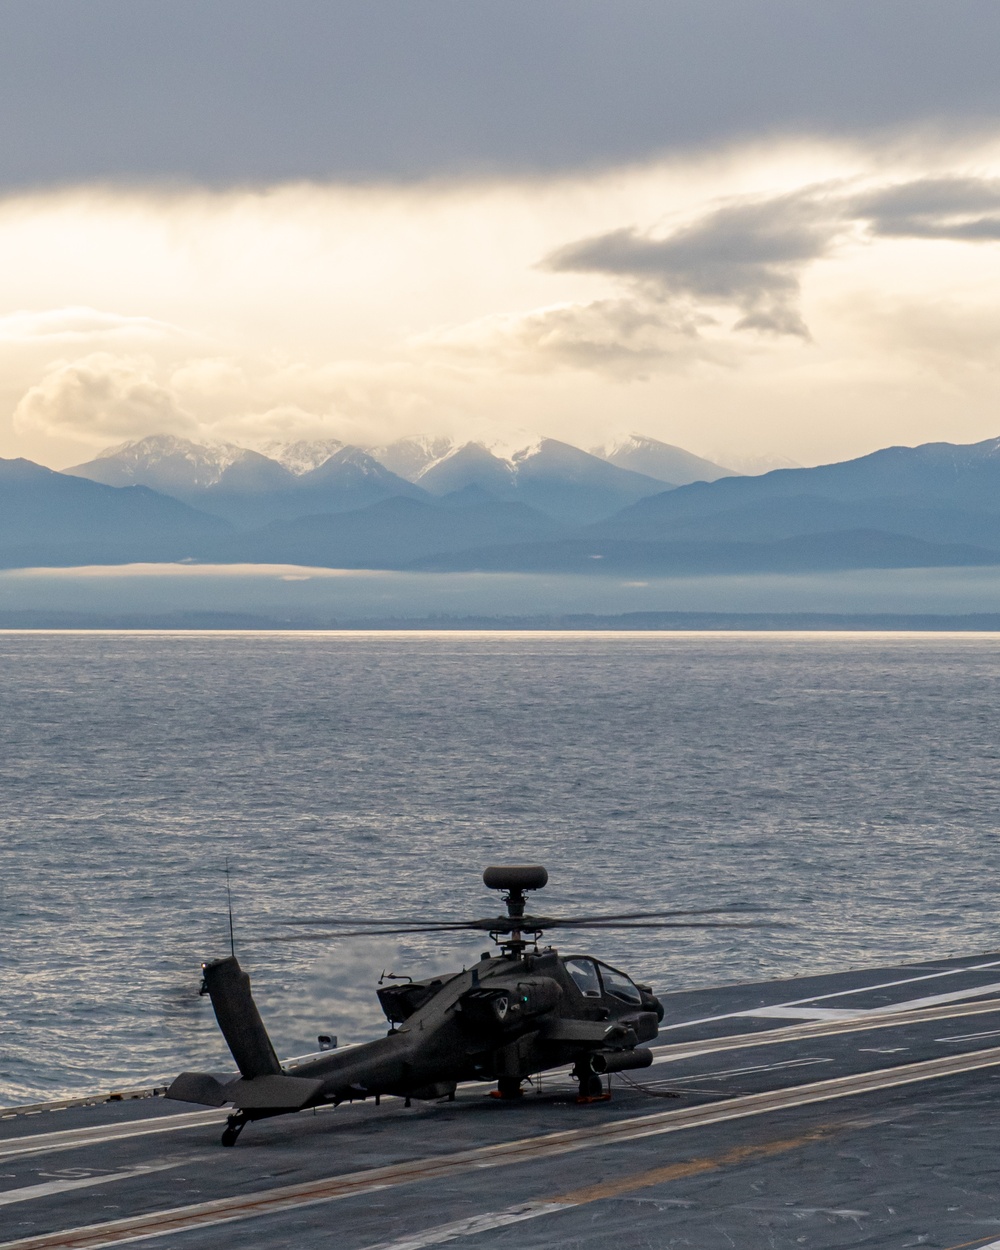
[(234, 1126)]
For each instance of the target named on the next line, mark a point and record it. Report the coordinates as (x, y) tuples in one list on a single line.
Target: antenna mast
[(229, 900)]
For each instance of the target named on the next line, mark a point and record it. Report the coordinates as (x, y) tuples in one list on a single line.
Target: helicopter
[(512, 1015)]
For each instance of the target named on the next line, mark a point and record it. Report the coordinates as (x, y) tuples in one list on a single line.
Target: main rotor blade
[(677, 924), (552, 922), (338, 921), (527, 925), (549, 921), (329, 937)]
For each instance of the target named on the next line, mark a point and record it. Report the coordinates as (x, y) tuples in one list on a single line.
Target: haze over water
[(848, 781)]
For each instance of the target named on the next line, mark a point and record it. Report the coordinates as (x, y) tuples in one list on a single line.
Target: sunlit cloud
[(71, 326), (623, 338), (788, 300), (98, 397)]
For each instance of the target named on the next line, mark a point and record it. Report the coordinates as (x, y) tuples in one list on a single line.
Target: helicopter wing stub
[(578, 1032)]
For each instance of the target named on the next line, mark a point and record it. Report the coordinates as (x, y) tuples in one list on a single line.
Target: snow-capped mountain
[(247, 487), (410, 457), (472, 464), (357, 477), (549, 475), (548, 507), (672, 465), (301, 456), (178, 466)]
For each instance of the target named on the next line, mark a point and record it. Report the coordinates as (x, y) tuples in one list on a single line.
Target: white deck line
[(474, 1224), (805, 1013), (864, 989), (27, 1193), (911, 1004), (72, 1138)]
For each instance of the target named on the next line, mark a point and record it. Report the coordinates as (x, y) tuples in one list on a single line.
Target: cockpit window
[(584, 973), (619, 986)]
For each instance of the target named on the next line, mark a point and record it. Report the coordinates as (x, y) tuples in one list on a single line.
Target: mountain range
[(309, 479), (429, 504)]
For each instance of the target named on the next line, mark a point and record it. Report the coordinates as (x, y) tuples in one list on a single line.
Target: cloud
[(397, 90), (98, 396), (747, 254), (285, 423), (370, 312), (962, 209), (750, 254), (623, 338), (78, 324)]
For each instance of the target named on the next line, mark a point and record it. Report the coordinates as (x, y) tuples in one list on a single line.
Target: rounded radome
[(515, 877)]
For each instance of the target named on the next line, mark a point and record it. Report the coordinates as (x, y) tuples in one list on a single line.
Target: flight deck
[(857, 1109)]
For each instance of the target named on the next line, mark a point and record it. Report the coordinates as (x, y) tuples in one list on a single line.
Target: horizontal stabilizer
[(198, 1087), (272, 1093)]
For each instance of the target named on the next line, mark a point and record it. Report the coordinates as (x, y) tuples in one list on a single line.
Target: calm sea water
[(849, 782)]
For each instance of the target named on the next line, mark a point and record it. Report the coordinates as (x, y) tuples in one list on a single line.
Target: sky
[(762, 231)]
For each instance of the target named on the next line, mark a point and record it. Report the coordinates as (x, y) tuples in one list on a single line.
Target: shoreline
[(47, 621)]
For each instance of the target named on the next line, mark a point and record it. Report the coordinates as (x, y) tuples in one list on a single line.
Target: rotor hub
[(514, 880)]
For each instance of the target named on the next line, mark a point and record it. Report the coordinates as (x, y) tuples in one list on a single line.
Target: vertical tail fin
[(228, 987)]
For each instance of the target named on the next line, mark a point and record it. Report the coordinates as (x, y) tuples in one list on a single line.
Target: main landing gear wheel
[(234, 1126), (591, 1086), (508, 1087)]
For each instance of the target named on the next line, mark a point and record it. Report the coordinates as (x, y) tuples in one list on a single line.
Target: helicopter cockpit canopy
[(594, 980)]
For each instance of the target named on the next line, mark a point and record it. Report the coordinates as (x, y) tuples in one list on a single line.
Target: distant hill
[(853, 549), (391, 534), (672, 465), (52, 518), (939, 492)]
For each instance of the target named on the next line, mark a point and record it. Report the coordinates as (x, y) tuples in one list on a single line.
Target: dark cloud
[(750, 254), (747, 254), (934, 208), (224, 91)]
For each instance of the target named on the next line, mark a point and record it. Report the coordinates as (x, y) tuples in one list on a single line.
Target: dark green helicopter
[(510, 1016)]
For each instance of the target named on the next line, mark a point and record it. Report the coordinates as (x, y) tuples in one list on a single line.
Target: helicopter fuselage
[(505, 1017)]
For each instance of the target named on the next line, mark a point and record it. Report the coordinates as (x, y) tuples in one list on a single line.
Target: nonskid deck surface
[(855, 1109)]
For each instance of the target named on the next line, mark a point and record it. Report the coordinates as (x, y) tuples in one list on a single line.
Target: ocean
[(848, 784)]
